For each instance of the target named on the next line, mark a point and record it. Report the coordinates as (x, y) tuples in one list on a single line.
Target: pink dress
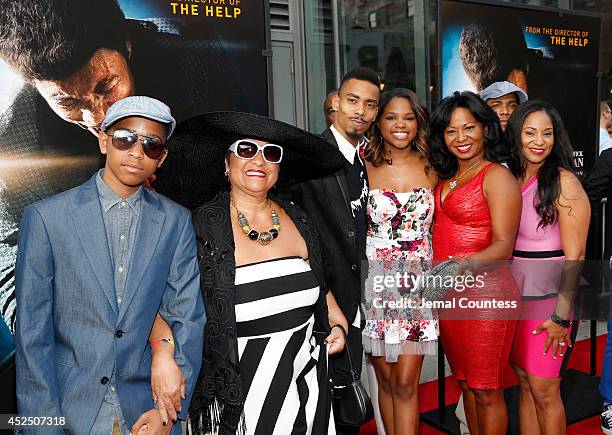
[(537, 264)]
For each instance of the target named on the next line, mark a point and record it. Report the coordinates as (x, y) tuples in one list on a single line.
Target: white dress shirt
[(605, 141)]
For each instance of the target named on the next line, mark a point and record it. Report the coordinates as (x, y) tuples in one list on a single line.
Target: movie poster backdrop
[(552, 55), (194, 56)]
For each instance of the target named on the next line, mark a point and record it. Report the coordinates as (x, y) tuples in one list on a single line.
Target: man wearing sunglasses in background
[(95, 266)]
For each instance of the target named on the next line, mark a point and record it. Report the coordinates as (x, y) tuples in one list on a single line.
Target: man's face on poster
[(503, 107), (84, 97)]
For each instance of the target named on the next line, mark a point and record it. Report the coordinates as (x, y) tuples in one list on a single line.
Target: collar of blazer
[(89, 224), (340, 175)]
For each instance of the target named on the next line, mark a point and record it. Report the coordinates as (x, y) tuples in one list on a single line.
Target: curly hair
[(561, 156), (442, 160), (374, 152), (51, 40)]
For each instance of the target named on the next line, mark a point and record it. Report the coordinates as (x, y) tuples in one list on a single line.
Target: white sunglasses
[(247, 149)]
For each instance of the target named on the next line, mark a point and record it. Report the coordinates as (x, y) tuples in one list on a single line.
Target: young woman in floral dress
[(400, 212)]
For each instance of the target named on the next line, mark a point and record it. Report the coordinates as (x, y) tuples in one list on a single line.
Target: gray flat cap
[(499, 89), (145, 107)]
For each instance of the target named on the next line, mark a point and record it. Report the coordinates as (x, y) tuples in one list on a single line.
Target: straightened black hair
[(52, 39), (442, 160), (361, 73), (561, 156)]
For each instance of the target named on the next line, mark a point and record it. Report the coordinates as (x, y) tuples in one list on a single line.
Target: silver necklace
[(453, 183)]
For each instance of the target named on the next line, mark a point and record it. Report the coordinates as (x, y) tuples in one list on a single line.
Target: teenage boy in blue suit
[(95, 265)]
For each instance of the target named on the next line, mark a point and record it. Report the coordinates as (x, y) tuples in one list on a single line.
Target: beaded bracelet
[(155, 344)]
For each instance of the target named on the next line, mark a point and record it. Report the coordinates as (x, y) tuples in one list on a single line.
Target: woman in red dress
[(477, 213)]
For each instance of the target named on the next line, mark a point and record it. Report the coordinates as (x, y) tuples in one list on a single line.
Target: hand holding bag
[(351, 403)]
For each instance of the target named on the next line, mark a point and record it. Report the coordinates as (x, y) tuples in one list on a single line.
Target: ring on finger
[(562, 343)]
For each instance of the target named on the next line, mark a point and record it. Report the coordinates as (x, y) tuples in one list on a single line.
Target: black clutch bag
[(351, 403)]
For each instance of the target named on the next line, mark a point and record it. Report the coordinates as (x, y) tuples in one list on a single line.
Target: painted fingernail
[(173, 421), (165, 423), (560, 354), (534, 332), (554, 357)]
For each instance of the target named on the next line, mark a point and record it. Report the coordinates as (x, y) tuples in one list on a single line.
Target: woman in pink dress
[(399, 213), (549, 247), (477, 215)]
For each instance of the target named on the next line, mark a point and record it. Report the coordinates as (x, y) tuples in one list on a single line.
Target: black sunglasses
[(124, 140)]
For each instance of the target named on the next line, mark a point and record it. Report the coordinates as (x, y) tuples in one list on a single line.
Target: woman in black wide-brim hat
[(262, 278)]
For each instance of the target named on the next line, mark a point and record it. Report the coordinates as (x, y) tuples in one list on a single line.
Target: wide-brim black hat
[(194, 171)]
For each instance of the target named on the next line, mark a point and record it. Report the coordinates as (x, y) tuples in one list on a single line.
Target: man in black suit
[(336, 205)]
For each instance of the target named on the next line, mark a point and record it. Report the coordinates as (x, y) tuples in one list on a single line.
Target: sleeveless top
[(283, 370), (398, 242), (462, 224), (538, 254), (399, 224)]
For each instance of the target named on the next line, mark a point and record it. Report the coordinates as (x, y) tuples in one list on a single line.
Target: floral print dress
[(398, 248)]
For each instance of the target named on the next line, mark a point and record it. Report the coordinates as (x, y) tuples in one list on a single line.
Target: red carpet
[(428, 392)]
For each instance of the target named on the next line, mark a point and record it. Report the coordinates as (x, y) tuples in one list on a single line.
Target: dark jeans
[(605, 386), (342, 373)]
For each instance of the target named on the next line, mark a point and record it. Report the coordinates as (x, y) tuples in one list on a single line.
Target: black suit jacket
[(599, 186), (327, 203)]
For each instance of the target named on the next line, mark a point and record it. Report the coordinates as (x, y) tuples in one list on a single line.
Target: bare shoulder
[(498, 170), (499, 178), (569, 182), (571, 187), (370, 167), (433, 177)]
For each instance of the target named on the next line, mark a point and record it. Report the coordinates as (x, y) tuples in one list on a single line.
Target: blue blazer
[(71, 335)]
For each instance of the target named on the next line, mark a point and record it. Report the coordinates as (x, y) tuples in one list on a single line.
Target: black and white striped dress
[(283, 371)]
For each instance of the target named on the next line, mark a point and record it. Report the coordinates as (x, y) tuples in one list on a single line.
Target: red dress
[(478, 346)]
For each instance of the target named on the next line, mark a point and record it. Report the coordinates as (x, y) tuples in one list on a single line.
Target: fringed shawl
[(217, 405)]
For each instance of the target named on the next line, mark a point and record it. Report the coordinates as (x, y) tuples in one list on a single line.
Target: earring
[(226, 173)]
